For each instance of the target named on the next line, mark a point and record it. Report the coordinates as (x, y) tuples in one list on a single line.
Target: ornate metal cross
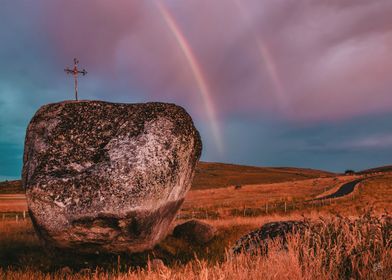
[(75, 71)]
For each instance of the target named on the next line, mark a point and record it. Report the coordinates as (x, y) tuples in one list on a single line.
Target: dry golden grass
[(12, 203), (257, 195), (374, 192), (339, 249), (259, 199), (23, 257)]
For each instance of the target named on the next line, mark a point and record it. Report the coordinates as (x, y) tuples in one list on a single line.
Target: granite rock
[(105, 176)]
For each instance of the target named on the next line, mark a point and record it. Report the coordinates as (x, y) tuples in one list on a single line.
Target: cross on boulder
[(75, 72)]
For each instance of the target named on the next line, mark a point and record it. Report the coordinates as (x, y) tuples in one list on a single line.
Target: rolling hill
[(218, 175), (381, 169)]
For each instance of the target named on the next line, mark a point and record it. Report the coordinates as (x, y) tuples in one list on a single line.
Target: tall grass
[(342, 248), (332, 248)]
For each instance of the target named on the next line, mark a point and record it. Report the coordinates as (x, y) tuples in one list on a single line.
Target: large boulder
[(108, 177)]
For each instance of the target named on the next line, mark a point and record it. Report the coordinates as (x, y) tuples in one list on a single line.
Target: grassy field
[(11, 187), (12, 203), (234, 212), (342, 249), (259, 198)]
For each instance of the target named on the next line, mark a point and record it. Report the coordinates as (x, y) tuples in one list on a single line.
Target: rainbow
[(267, 58), (197, 73), (272, 71)]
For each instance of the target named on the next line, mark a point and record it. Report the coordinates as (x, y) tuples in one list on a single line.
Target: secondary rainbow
[(267, 58), (197, 73)]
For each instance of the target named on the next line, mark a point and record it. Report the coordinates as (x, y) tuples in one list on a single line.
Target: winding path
[(345, 189)]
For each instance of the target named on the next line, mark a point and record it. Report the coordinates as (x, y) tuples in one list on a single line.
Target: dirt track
[(345, 189)]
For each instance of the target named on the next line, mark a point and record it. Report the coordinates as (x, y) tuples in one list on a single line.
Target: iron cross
[(75, 71)]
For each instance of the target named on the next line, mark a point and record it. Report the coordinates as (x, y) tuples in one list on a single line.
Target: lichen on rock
[(106, 176)]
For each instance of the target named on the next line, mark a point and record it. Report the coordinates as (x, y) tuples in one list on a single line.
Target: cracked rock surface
[(105, 176)]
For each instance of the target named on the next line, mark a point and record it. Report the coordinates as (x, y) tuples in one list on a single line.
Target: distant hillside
[(11, 187), (387, 168), (218, 175)]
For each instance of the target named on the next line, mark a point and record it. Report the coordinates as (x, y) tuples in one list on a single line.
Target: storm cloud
[(279, 72)]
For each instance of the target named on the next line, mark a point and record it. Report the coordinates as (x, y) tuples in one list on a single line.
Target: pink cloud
[(332, 57)]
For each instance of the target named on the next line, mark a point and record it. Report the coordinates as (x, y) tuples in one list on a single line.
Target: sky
[(268, 82)]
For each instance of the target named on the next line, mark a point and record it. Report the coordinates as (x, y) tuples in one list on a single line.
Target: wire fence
[(16, 216), (276, 207)]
